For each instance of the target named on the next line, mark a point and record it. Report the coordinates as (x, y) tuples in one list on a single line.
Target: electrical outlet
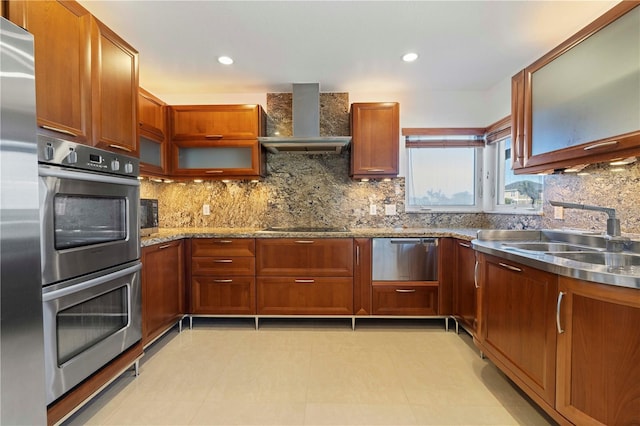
[(206, 210), (558, 212), (372, 209), (390, 209)]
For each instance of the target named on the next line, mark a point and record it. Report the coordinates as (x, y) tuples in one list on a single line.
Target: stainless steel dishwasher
[(405, 259)]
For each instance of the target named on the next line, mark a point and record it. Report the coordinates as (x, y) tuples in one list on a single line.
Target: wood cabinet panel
[(464, 294), (598, 352), (223, 265), (518, 129), (375, 133), (518, 323), (152, 118), (215, 122), (362, 276), (225, 295), (223, 247), (62, 38), (162, 288), (405, 298), (330, 257), (305, 296), (114, 91)]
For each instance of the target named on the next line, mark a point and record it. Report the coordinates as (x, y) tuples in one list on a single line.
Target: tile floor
[(303, 372)]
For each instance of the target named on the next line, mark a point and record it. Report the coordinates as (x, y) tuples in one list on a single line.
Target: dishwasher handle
[(430, 241)]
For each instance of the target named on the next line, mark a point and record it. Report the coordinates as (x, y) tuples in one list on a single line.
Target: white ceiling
[(343, 45)]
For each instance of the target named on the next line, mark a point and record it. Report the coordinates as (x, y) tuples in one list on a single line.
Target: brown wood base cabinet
[(598, 381), (223, 276), (518, 324), (162, 288), (306, 276), (411, 298), (464, 285)]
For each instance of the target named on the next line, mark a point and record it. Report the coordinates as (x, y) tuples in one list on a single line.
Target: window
[(444, 169), (514, 192), (450, 169)]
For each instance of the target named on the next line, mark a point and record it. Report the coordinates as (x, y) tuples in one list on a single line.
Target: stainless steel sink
[(549, 247), (613, 260)]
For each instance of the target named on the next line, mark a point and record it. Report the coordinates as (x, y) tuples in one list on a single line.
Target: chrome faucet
[(615, 242)]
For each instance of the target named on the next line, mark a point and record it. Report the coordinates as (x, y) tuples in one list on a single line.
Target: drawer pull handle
[(164, 246), (213, 136), (55, 129), (358, 255), (305, 281), (464, 245), (214, 171), (304, 242), (600, 145), (223, 281), (560, 296), (120, 147), (375, 170), (223, 242), (402, 290), (223, 261), (509, 267)]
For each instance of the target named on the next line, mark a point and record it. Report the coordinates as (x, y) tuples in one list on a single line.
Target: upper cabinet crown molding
[(579, 103)]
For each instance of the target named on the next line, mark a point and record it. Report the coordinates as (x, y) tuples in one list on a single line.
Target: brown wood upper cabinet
[(86, 76), (375, 133), (114, 90), (63, 65), (215, 122), (152, 120), (579, 103)]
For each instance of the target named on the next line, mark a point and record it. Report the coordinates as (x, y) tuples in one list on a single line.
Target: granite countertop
[(171, 234)]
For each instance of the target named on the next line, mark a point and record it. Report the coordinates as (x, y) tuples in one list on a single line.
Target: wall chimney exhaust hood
[(306, 127)]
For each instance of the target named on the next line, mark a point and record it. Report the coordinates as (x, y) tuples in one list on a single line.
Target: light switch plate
[(389, 209), (558, 212), (372, 209), (206, 210)]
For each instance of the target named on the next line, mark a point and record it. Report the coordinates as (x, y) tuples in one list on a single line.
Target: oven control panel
[(70, 154)]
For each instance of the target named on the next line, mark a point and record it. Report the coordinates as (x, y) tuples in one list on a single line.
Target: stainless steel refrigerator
[(22, 392)]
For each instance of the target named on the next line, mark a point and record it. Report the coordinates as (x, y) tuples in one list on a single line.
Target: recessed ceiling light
[(410, 57), (225, 60)]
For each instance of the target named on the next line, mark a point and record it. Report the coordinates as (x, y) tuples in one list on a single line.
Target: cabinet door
[(375, 133), (162, 288), (61, 32), (330, 257), (581, 100), (224, 295), (598, 353), (210, 160), (305, 296), (519, 324), (464, 294), (114, 91), (215, 122), (362, 276), (410, 298), (152, 135)]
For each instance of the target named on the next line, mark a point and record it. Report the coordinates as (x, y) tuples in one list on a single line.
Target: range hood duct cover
[(306, 126)]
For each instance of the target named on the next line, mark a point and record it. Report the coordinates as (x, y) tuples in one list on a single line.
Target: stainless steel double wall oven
[(90, 251)]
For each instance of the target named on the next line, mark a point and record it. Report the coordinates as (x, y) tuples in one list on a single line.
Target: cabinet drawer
[(223, 295), (407, 299), (330, 257), (223, 265), (305, 296), (223, 247), (215, 122)]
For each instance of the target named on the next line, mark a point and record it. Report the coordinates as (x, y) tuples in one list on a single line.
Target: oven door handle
[(48, 171), (56, 294)]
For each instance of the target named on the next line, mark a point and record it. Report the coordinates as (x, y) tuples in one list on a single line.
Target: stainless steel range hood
[(306, 126)]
